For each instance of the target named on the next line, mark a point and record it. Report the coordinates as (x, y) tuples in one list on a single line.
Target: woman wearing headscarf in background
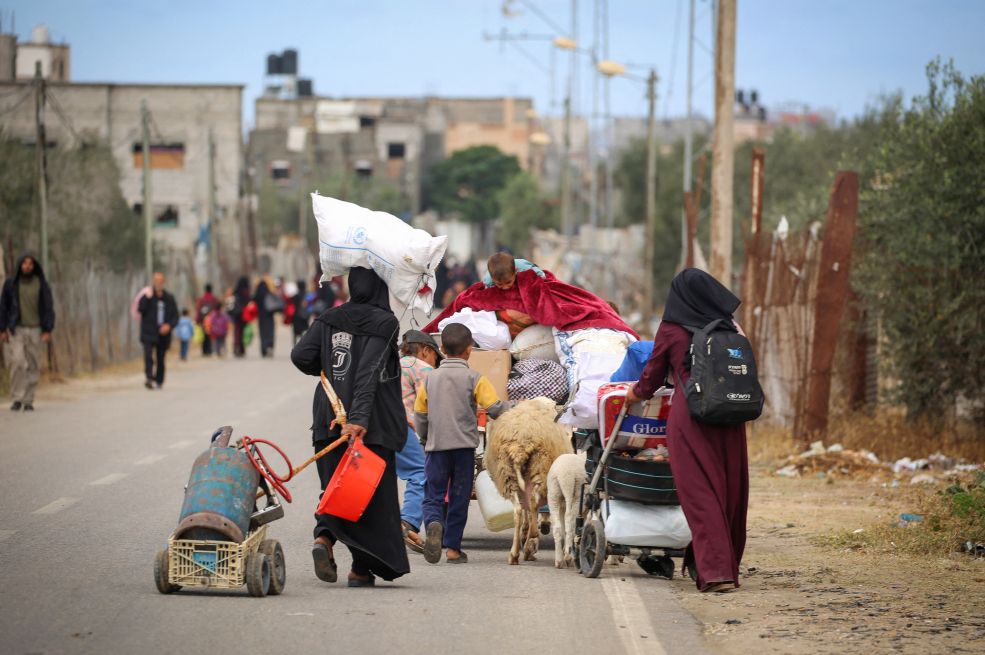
[(355, 345), (302, 315), (709, 462), (241, 298), (268, 302)]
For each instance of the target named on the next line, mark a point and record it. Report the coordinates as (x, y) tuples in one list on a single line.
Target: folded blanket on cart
[(547, 300)]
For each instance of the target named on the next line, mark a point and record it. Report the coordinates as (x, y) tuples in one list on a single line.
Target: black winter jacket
[(365, 373), (10, 300), (149, 329)]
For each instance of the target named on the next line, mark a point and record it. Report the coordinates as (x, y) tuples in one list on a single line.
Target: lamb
[(522, 445), (564, 480)]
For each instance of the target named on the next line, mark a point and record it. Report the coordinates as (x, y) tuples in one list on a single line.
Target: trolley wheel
[(161, 565), (257, 574), (662, 566), (278, 568), (689, 565), (593, 547)]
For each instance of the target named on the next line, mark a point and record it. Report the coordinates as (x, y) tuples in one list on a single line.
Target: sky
[(840, 55)]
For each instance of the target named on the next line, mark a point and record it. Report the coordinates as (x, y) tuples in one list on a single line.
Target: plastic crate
[(218, 564)]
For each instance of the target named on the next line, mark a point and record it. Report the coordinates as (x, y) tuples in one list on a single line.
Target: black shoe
[(28, 407), (432, 545), (149, 384), (16, 406)]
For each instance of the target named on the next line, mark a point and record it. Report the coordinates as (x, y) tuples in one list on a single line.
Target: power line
[(9, 110), (523, 51), (62, 116), (544, 17)]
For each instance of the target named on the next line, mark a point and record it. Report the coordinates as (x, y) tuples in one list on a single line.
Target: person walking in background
[(241, 298), (219, 325), (185, 331), (419, 356), (27, 317), (158, 317), (302, 315), (268, 302), (711, 465), (203, 307)]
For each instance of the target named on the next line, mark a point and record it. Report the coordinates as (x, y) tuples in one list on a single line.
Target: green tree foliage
[(524, 207), (469, 182), (89, 221), (923, 238)]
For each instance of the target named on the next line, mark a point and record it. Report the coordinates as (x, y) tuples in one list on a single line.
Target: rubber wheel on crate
[(593, 547), (689, 565), (161, 565), (278, 569), (662, 566), (257, 574)]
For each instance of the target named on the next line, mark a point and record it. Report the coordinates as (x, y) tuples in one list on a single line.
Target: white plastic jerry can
[(497, 511)]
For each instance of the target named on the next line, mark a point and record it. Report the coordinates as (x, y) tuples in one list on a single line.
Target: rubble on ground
[(837, 461)]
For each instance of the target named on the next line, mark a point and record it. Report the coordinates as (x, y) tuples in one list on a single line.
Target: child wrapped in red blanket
[(546, 300)]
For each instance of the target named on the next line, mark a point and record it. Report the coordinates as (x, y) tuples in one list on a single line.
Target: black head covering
[(242, 288), (37, 266), (696, 299), (368, 310)]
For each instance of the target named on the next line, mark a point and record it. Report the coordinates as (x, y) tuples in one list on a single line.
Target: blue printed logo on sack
[(359, 236), (735, 353)]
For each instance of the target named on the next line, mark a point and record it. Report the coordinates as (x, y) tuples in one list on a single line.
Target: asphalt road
[(91, 485)]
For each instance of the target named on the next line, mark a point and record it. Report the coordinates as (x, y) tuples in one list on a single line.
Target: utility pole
[(565, 172), (214, 272), (649, 240), (723, 152), (42, 160), (304, 179), (689, 134), (148, 219)]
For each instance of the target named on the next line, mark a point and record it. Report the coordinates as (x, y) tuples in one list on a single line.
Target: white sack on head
[(404, 257)]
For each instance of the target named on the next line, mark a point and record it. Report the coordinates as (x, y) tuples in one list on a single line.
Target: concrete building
[(54, 58), (182, 119)]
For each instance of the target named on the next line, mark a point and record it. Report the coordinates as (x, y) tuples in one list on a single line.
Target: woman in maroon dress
[(709, 461)]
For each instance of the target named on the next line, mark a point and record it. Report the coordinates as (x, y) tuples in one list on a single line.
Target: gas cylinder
[(221, 493)]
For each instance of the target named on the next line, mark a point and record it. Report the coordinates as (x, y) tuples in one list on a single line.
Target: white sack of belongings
[(635, 524), (404, 257), (497, 512), (534, 342), (487, 330)]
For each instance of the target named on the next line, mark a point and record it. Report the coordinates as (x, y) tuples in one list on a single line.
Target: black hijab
[(368, 310), (696, 299)]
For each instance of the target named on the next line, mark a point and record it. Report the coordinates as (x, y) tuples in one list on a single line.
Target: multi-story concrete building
[(54, 58), (183, 119)]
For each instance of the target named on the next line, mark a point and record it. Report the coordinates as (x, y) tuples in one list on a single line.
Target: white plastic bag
[(404, 257), (592, 371), (487, 331), (635, 524), (534, 342)]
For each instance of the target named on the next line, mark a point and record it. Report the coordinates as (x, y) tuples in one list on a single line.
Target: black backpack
[(724, 386)]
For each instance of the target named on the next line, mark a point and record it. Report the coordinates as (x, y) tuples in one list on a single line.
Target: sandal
[(432, 547), (461, 559), (325, 568), (412, 539), (720, 587), (356, 580)]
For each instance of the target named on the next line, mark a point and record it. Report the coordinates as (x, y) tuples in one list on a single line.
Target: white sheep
[(522, 445), (564, 480)]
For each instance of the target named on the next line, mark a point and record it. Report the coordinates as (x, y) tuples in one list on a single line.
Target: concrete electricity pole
[(213, 222), (148, 219), (651, 193), (723, 151), (42, 160), (689, 134)]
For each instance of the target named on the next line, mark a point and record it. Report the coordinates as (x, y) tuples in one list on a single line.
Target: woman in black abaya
[(356, 345)]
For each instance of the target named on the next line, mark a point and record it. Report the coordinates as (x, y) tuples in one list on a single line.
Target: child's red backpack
[(220, 324)]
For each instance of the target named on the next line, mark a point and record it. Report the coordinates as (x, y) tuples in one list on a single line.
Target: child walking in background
[(445, 414), (185, 330), (219, 329)]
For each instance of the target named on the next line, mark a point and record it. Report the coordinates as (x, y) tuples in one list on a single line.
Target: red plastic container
[(645, 424), (353, 484)]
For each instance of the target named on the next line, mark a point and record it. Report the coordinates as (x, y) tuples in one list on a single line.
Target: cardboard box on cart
[(495, 365)]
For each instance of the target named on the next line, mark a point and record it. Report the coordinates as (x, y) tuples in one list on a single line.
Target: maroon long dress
[(709, 462)]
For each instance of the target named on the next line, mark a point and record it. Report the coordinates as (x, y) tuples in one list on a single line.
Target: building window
[(396, 150), (364, 168), (164, 215), (162, 156), (280, 171), (366, 122)]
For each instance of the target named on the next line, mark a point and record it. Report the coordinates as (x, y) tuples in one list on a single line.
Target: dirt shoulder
[(800, 595)]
